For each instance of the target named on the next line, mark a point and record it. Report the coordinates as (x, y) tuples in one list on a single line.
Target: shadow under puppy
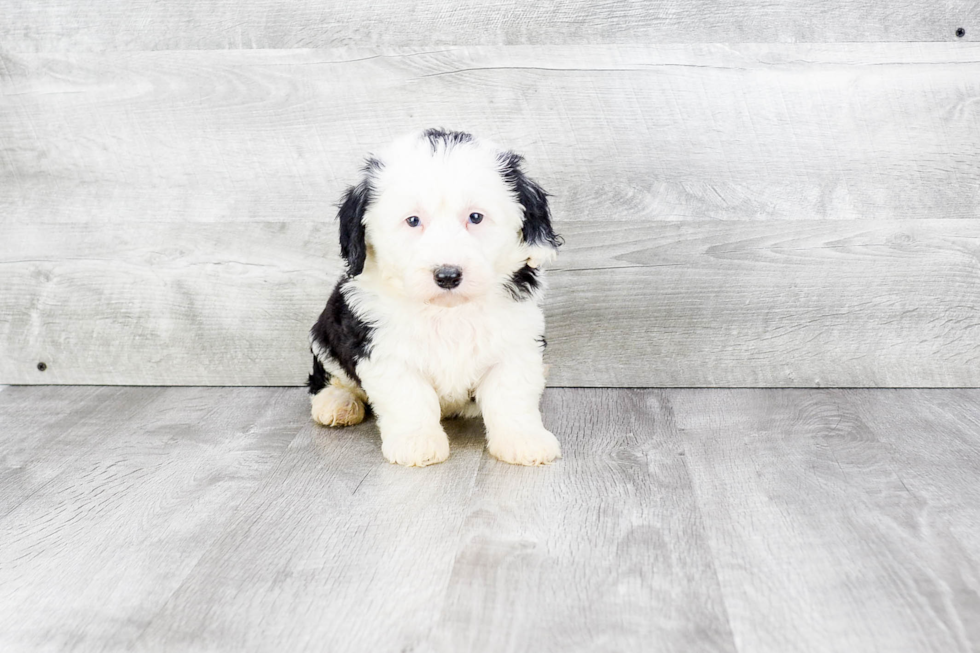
[(439, 313)]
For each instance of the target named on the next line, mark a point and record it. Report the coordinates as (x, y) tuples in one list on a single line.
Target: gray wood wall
[(752, 193)]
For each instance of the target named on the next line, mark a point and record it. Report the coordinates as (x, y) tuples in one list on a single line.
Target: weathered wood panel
[(678, 520), (163, 304), (337, 551), (933, 440), (654, 133), (62, 25), (814, 530), (91, 554), (604, 550), (709, 303), (39, 446), (858, 303), (791, 215)]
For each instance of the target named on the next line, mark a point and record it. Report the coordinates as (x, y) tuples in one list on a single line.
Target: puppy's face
[(444, 219)]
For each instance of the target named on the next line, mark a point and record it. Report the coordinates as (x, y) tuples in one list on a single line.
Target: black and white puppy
[(439, 313)]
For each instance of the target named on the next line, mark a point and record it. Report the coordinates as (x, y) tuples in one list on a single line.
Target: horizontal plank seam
[(617, 267), (392, 52)]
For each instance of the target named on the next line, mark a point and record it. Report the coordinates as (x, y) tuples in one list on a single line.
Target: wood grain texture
[(221, 519), (164, 304), (848, 131), (89, 556), (39, 446), (62, 25), (337, 551), (604, 550), (776, 214), (935, 448), (792, 305), (707, 303), (819, 543)]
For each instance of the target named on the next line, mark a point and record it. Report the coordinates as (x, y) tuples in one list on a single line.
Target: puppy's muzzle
[(448, 276)]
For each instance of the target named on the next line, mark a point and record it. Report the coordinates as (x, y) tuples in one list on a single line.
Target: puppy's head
[(445, 218)]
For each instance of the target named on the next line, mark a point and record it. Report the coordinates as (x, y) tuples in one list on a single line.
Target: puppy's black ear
[(352, 243), (536, 232)]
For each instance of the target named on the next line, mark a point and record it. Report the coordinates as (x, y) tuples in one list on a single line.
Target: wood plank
[(934, 438), (165, 304), (221, 519), (855, 311), (673, 303), (73, 422), (88, 559), (823, 198), (338, 550), (848, 131), (818, 543), (603, 550), (65, 25)]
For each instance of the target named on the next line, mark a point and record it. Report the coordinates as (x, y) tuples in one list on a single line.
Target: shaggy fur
[(439, 312)]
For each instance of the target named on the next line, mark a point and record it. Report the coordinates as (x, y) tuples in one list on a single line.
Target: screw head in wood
[(960, 32), (41, 367)]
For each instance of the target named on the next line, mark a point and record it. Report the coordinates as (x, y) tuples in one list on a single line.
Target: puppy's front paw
[(416, 450), (534, 447)]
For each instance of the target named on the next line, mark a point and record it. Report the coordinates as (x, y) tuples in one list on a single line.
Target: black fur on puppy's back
[(340, 334), (320, 377)]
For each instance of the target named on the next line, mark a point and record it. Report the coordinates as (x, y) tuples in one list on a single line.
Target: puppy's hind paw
[(535, 447), (335, 406)]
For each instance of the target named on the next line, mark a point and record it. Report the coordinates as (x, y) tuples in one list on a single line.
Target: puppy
[(439, 312)]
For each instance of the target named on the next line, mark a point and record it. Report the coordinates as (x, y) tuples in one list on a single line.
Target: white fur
[(436, 353)]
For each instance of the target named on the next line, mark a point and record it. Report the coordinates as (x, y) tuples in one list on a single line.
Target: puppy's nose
[(448, 276)]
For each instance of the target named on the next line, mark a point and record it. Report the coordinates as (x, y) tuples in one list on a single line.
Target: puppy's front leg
[(509, 397), (408, 413)]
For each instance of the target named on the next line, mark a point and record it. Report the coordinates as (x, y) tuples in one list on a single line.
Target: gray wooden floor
[(191, 519)]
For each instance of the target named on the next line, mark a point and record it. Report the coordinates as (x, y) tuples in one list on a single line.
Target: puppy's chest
[(453, 351)]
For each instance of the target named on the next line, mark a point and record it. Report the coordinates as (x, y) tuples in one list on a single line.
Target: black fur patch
[(342, 334), (351, 214), (319, 379), (445, 138), (523, 283), (536, 229)]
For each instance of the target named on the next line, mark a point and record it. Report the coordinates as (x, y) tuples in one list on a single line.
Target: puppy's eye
[(476, 218), (413, 221)]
